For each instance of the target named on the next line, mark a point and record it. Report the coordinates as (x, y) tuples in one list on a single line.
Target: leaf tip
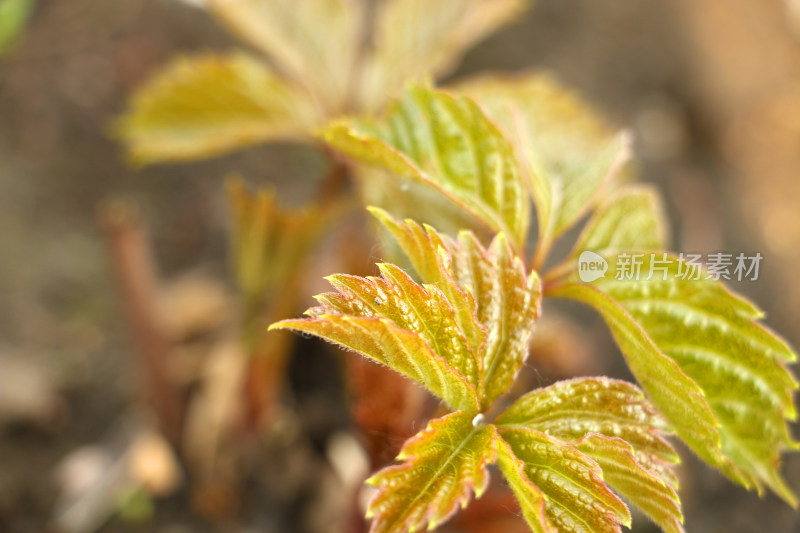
[(626, 519), (784, 492), (281, 324), (379, 213), (334, 279), (331, 129)]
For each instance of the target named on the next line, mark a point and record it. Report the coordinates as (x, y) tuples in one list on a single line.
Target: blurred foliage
[(321, 66), (14, 15)]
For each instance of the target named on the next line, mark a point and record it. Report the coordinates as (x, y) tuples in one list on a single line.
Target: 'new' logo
[(591, 266)]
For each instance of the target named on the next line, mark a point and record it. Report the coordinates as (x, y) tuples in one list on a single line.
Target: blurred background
[(710, 89)]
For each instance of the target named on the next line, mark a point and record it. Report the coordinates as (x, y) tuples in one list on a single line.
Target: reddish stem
[(138, 285)]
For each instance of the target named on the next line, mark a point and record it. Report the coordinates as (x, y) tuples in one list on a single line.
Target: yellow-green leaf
[(531, 500), (508, 307), (444, 140), (315, 42), (676, 395), (380, 340), (416, 38), (443, 465), (569, 410), (211, 104), (611, 422), (424, 310), (409, 327), (506, 300), (423, 246), (690, 339), (632, 479), (630, 219), (569, 153), (431, 256), (577, 500)]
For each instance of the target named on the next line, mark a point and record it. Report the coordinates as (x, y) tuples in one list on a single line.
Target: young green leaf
[(677, 396), (569, 410), (404, 351), (632, 479), (568, 153), (611, 422), (429, 252), (431, 256), (508, 302), (576, 498), (416, 38), (444, 140), (409, 327), (315, 42), (442, 466), (508, 307), (207, 105), (630, 219), (704, 361), (531, 500), (424, 310)]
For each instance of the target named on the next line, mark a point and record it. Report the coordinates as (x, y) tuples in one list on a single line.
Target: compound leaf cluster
[(464, 336), (717, 375), (481, 158), (709, 371)]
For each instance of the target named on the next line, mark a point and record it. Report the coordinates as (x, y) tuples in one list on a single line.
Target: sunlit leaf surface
[(569, 153), (570, 410), (697, 349), (424, 310), (207, 105), (529, 496), (576, 498), (630, 219), (630, 477), (611, 422), (508, 307), (506, 300), (444, 140), (443, 465), (409, 327)]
